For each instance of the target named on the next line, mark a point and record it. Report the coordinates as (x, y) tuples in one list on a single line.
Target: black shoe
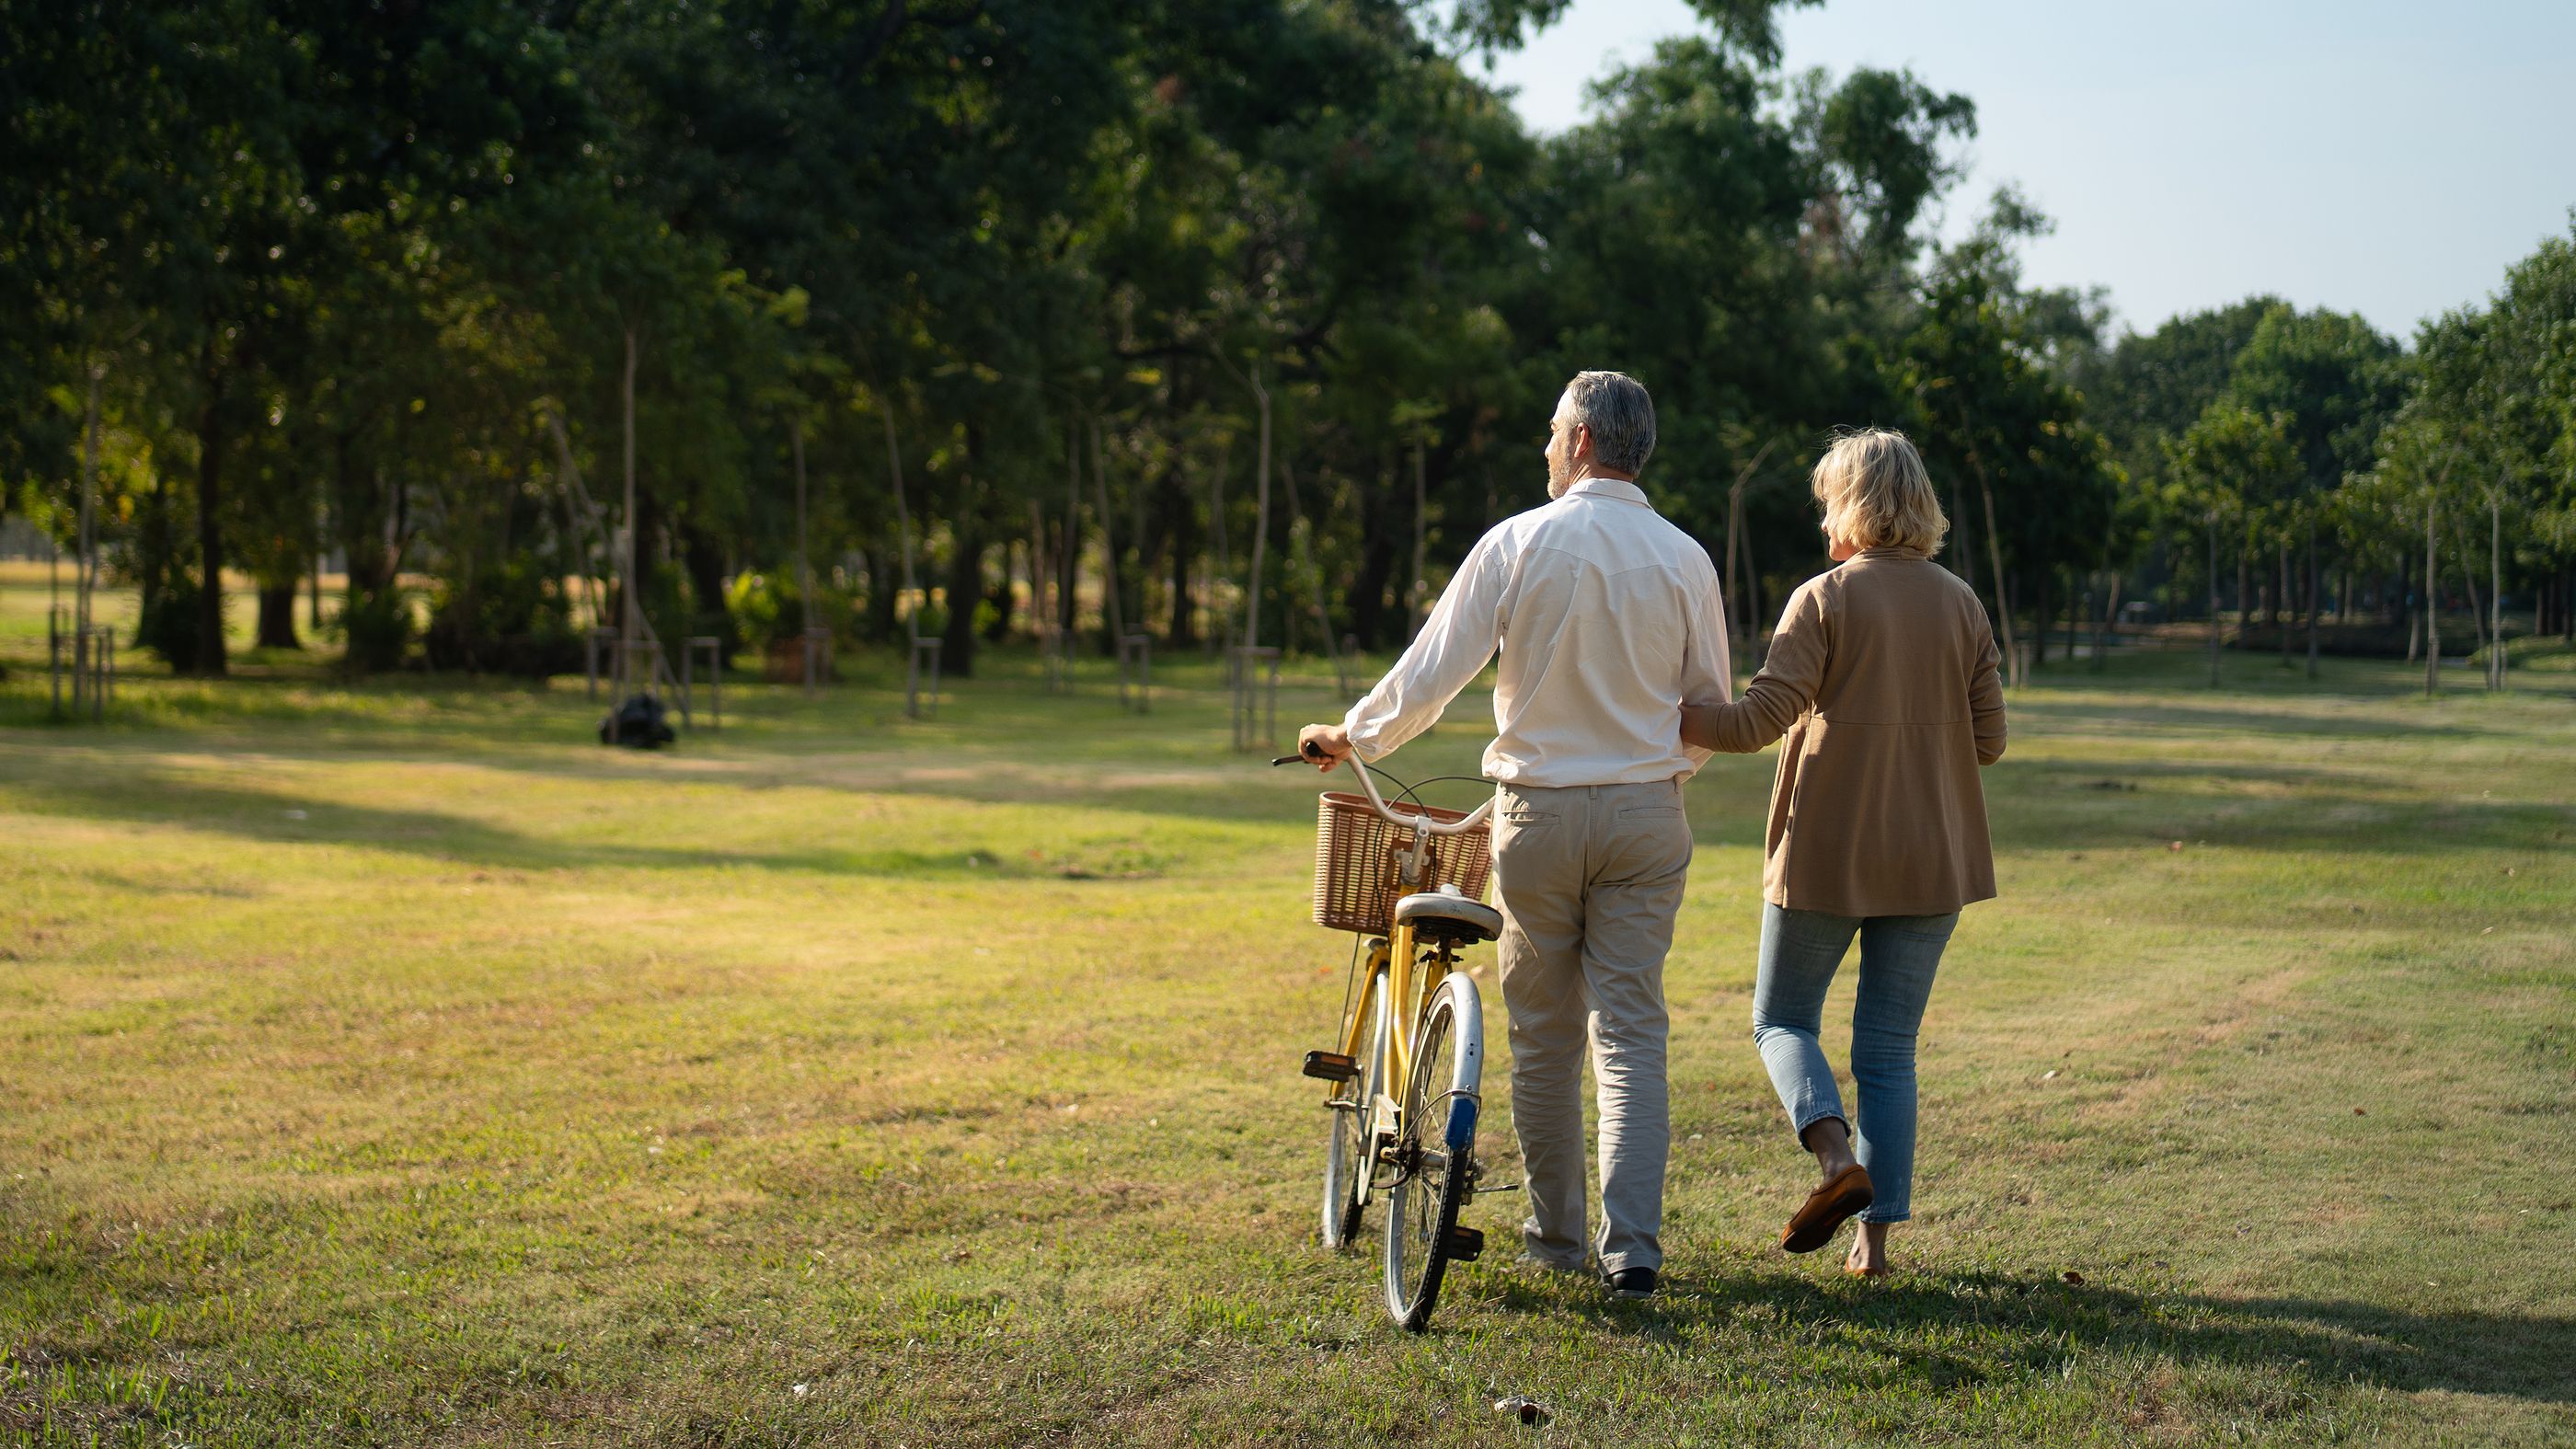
[(1632, 1282)]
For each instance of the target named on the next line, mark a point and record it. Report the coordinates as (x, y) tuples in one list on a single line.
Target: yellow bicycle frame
[(1409, 982)]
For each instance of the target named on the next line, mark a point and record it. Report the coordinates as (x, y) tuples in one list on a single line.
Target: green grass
[(386, 1063)]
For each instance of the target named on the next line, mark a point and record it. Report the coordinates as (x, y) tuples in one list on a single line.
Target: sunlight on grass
[(389, 1063)]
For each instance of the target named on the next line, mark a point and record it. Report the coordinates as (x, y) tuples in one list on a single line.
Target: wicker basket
[(1358, 861)]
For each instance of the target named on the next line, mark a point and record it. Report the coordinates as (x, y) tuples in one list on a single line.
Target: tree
[(2231, 465)]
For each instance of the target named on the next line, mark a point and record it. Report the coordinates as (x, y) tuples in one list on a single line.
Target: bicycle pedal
[(1331, 1067), (1466, 1244), (1482, 1189)]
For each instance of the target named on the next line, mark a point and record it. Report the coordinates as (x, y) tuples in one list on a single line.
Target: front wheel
[(1436, 1151), (1346, 1154)]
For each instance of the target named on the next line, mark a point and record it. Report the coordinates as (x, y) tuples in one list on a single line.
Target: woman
[(1882, 674)]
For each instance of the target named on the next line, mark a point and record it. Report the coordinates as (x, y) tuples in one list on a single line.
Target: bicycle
[(1417, 1020)]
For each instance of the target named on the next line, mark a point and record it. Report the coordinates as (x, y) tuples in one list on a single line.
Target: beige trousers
[(1590, 878)]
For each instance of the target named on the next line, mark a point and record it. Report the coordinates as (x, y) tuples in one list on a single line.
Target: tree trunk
[(87, 582), (1315, 575), (1041, 579), (1735, 595), (1416, 602), (2478, 617), (1963, 548), (804, 563), (2495, 590), (2214, 619), (153, 546), (708, 614), (2244, 592), (1377, 561), (630, 583), (370, 603), (965, 590), (2432, 604), (2110, 630), (210, 541), (903, 535), (2312, 600), (277, 616), (885, 592), (1220, 632), (1068, 555), (1181, 515), (2039, 619), (1995, 556), (1754, 648), (2281, 601), (1113, 605), (1004, 597), (1260, 516)]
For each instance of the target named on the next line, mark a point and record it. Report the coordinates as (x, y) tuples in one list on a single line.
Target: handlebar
[(1422, 822)]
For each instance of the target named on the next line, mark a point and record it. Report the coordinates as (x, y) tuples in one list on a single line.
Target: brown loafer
[(1826, 1209)]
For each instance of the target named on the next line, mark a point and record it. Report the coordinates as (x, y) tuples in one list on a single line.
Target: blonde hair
[(1876, 493)]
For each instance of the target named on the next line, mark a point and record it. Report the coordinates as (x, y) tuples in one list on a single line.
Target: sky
[(2386, 159)]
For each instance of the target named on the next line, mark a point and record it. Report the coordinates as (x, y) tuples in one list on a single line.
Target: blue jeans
[(1898, 957)]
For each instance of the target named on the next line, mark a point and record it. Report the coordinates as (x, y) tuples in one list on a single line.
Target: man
[(1609, 622)]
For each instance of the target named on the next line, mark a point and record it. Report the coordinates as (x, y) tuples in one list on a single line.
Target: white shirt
[(1609, 621)]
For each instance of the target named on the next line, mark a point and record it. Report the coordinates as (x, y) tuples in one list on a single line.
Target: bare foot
[(1868, 1251)]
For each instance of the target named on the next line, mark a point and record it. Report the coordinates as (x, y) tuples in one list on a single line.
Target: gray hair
[(1615, 409)]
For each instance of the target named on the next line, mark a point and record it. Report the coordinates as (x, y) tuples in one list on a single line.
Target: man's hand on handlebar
[(1324, 746)]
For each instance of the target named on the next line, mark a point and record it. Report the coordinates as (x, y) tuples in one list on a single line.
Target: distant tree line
[(1216, 319), (2288, 467)]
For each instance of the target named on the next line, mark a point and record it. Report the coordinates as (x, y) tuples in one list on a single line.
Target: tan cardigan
[(1882, 673)]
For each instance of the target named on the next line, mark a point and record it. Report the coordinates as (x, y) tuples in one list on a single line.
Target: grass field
[(388, 1064)]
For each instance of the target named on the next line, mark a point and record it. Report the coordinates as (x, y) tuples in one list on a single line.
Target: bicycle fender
[(1466, 1097), (1462, 1123)]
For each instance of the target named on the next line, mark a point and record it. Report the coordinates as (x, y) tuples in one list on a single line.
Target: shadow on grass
[(2075, 805), (256, 815), (1953, 1330), (2071, 806), (2073, 714)]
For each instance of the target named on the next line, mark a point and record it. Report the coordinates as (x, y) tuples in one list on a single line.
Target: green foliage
[(507, 619), (345, 279), (377, 625), (2004, 433), (167, 623)]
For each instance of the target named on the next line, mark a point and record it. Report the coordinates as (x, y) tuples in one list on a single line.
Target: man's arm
[(1455, 643)]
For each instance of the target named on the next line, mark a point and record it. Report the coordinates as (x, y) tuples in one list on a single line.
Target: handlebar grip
[(1288, 760)]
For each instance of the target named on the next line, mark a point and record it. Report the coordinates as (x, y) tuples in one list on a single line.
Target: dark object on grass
[(637, 724), (1523, 1408)]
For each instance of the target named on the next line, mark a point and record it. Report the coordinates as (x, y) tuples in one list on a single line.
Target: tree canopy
[(1084, 304)]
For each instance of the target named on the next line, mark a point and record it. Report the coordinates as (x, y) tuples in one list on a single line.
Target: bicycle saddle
[(1446, 915)]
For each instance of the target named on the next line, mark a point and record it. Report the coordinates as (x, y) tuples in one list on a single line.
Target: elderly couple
[(1614, 688)]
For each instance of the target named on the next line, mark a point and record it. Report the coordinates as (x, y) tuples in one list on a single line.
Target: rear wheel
[(1346, 1155), (1434, 1153)]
